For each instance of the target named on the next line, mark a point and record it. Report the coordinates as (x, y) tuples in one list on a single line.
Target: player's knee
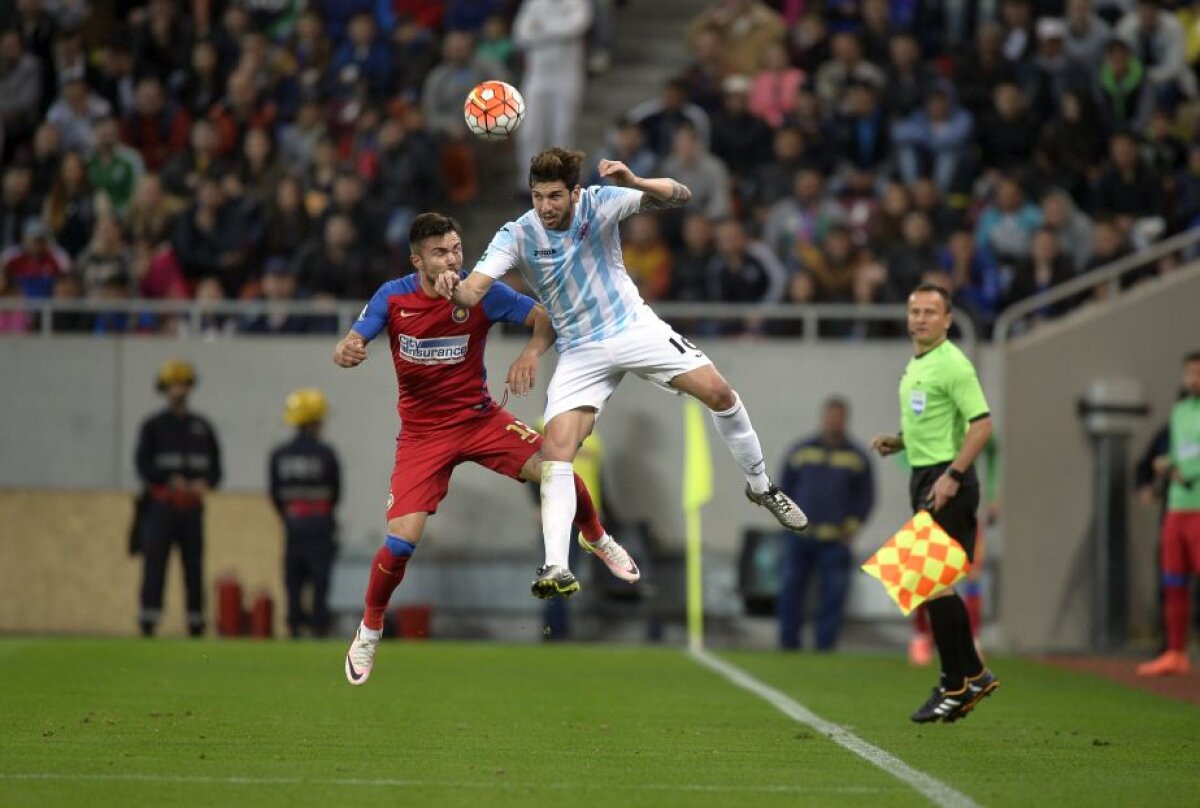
[(720, 397), (407, 527), (558, 448)]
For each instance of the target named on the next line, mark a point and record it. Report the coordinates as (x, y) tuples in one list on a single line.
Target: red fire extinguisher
[(229, 606), (262, 616)]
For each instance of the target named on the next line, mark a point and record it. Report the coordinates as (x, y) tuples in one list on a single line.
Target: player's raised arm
[(466, 291), (351, 350), (658, 193), (522, 374)]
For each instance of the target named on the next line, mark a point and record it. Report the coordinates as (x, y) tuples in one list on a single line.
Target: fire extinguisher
[(229, 606), (262, 616)]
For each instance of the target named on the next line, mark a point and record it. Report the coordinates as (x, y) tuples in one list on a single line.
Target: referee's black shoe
[(951, 705), (979, 687)]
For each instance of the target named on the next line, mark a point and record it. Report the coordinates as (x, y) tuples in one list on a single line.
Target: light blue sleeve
[(616, 202), (501, 254), (374, 315)]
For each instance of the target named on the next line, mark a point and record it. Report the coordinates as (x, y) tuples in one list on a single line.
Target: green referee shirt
[(939, 397), (1185, 455)]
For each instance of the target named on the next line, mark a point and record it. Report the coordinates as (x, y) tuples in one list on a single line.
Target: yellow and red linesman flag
[(918, 562)]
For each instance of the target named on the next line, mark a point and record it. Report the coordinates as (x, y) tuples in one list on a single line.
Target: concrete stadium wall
[(71, 409), (1046, 478)]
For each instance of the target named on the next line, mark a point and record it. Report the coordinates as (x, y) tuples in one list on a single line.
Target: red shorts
[(1181, 543), (425, 460)]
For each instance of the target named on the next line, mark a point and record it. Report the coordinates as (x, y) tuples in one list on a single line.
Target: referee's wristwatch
[(955, 474)]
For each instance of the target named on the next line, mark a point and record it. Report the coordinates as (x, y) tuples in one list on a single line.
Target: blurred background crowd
[(838, 151)]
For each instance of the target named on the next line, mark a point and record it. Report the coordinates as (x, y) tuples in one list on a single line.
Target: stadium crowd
[(838, 151)]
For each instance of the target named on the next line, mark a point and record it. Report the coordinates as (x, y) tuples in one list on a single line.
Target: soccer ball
[(494, 110)]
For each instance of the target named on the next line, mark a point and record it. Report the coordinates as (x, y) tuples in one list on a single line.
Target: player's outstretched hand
[(887, 444), (350, 351), (522, 373), (617, 172), (446, 283)]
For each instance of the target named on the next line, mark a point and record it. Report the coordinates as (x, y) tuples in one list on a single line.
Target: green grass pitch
[(119, 722)]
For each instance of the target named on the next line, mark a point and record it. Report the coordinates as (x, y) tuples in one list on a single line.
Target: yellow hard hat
[(305, 406), (175, 371)]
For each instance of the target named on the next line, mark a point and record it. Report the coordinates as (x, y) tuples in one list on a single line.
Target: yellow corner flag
[(918, 562), (697, 490)]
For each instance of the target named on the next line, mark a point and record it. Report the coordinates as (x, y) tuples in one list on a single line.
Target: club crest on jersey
[(916, 400), (391, 500), (460, 314), (434, 350), (583, 231)]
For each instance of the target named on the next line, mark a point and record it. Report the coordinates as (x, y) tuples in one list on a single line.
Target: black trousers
[(307, 563), (958, 517), (163, 527)]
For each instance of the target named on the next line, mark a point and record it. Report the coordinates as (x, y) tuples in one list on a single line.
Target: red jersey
[(437, 347)]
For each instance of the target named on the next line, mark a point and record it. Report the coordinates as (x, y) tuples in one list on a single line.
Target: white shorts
[(588, 374)]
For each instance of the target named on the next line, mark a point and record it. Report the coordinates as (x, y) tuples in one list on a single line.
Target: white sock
[(369, 633), (558, 510), (738, 433)]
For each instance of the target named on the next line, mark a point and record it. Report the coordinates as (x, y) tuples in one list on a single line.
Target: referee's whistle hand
[(886, 445)]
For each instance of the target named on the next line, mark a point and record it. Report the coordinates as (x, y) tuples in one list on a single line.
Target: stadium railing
[(1111, 274)]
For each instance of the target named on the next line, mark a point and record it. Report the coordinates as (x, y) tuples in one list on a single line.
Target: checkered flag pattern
[(918, 562)]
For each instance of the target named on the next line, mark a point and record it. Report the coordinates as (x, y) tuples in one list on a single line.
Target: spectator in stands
[(1006, 226), (915, 255), (364, 55), (335, 267), (910, 79), (860, 130), (257, 167), (1045, 268), (1124, 93), (801, 220), (114, 77), (774, 87), (33, 265), (158, 273), (839, 272), (772, 180), (298, 140), (310, 49), (287, 225), (155, 128), (886, 220), (974, 277), (318, 180), (278, 289), (744, 271), (470, 15), (810, 45), (747, 26), (46, 158), (834, 478), (928, 198), (978, 71), (645, 254), (106, 263), (689, 275), (1008, 132), (182, 173), (20, 92), (241, 110), (1076, 138), (162, 43), (1053, 72), (846, 68), (13, 321), (204, 84), (1158, 40), (1070, 226), (1109, 243), (1187, 181), (1017, 18), (550, 34), (692, 165), (75, 114), (113, 168), (70, 208), (706, 69), (409, 179), (934, 141), (877, 30), (496, 42), (201, 233), (17, 204), (1162, 150), (448, 84), (1128, 188), (1086, 35), (739, 138), (627, 144), (151, 213), (660, 117), (416, 54)]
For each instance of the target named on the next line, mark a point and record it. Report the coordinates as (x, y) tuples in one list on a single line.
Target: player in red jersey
[(447, 415)]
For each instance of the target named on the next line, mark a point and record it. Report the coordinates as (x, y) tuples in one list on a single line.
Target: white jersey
[(577, 273)]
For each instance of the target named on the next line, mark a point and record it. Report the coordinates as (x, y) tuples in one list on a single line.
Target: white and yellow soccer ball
[(494, 110)]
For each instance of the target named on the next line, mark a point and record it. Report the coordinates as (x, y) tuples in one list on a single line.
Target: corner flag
[(697, 490)]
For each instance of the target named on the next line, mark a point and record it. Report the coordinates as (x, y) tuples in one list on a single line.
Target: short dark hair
[(836, 401), (933, 287), (431, 225), (1194, 356), (556, 164)]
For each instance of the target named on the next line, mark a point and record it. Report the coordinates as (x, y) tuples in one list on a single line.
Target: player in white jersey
[(568, 249)]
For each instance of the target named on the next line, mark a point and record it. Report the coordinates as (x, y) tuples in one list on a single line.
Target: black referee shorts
[(957, 517)]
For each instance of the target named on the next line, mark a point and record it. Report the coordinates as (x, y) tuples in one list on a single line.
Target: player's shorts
[(1181, 544), (588, 374), (958, 516), (425, 460)]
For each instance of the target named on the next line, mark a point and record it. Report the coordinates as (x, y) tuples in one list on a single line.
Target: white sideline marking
[(938, 792), (394, 783)]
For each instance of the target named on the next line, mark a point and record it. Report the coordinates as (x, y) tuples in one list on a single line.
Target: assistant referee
[(945, 424)]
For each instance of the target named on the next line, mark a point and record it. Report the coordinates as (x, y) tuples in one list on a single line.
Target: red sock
[(1175, 612), (387, 571), (586, 518), (921, 622)]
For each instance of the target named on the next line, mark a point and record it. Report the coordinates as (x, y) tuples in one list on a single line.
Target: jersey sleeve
[(967, 393), (503, 304), (619, 203), (501, 254), (374, 316)]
